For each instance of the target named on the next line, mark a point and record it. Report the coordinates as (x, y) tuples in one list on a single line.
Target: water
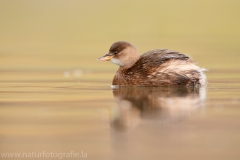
[(71, 111)]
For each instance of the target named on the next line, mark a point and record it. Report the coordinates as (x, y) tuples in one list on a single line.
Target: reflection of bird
[(164, 104), (159, 67)]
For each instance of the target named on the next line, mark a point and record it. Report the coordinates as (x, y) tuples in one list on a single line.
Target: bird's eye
[(116, 52)]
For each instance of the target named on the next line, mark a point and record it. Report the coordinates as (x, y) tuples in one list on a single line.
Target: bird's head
[(121, 53)]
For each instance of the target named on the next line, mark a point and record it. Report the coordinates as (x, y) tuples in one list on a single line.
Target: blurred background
[(60, 34), (55, 96)]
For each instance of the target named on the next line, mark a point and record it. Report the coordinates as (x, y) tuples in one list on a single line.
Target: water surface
[(64, 111)]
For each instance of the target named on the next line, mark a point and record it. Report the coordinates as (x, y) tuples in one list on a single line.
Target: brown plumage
[(160, 67)]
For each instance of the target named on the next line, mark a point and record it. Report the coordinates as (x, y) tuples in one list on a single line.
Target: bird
[(159, 67)]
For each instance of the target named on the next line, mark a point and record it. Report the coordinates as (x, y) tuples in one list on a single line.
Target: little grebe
[(160, 67)]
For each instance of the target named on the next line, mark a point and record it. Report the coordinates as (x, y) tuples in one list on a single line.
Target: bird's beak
[(106, 57)]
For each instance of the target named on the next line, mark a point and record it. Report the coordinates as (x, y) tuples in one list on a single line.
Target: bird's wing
[(155, 58), (159, 56)]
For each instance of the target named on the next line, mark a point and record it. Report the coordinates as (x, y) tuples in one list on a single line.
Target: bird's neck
[(130, 61)]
